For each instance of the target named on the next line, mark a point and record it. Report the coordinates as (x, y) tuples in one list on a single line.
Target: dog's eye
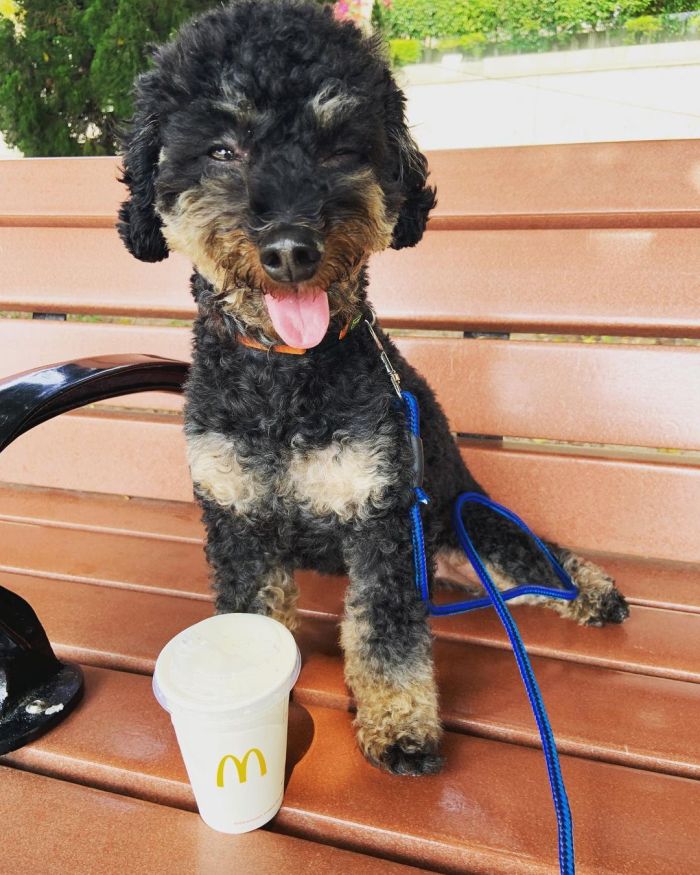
[(222, 153), (342, 155)]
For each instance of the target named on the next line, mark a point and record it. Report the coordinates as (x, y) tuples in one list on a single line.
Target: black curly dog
[(269, 145)]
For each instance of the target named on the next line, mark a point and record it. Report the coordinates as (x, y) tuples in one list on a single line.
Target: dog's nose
[(290, 254)]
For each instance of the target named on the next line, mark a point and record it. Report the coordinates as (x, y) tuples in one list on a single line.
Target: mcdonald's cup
[(226, 682)]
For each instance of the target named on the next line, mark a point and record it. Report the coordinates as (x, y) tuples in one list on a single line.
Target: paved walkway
[(473, 109), (6, 151)]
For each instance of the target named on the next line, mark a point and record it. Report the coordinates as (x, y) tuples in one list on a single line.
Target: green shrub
[(657, 7), (522, 21), (470, 44), (419, 19), (642, 29), (405, 51), (644, 24), (66, 68)]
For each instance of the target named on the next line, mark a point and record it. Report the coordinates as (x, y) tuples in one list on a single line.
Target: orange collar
[(329, 340)]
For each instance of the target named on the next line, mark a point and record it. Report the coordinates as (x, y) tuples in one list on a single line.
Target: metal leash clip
[(388, 367)]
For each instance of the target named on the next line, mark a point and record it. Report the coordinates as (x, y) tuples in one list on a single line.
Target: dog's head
[(269, 145)]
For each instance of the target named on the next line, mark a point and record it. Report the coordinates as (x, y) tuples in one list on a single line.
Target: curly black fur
[(314, 126)]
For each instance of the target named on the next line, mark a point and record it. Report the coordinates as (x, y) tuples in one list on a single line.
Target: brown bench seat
[(595, 442), (126, 744), (169, 840)]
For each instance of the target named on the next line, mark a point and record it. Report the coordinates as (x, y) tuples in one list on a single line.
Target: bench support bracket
[(36, 690)]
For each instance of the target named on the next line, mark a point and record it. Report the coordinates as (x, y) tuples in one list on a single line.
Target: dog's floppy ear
[(139, 226), (411, 171)]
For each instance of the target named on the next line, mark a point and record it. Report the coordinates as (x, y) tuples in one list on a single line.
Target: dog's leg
[(511, 558), (277, 597), (247, 574), (388, 655)]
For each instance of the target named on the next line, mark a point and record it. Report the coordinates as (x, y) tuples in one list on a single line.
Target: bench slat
[(137, 560), (101, 512), (491, 824), (646, 646), (578, 185), (635, 282), (63, 278), (124, 561), (557, 185), (644, 509), (640, 281), (30, 343), (89, 452), (658, 643), (83, 192), (144, 838), (648, 506), (638, 394)]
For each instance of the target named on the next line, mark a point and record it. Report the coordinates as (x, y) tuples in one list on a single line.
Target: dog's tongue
[(300, 318)]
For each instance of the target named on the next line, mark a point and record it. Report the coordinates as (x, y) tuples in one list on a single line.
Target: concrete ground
[(7, 152), (503, 103)]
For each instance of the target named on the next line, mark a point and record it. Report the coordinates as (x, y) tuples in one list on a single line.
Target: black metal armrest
[(32, 397), (36, 689)]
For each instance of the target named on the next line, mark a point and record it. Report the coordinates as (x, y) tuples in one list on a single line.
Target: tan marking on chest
[(218, 473), (346, 479)]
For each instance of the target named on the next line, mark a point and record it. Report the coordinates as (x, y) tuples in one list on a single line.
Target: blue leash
[(498, 600)]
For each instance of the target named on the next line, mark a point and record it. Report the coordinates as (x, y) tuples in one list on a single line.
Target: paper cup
[(226, 682)]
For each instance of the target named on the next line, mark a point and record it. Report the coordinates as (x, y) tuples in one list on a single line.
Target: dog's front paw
[(612, 607), (402, 755), (399, 752), (598, 602), (408, 757)]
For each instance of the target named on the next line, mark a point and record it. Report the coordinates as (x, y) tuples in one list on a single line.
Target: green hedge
[(405, 51), (519, 20), (435, 18), (472, 44)]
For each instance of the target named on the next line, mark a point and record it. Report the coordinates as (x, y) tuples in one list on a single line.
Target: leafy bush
[(66, 68), (643, 28), (523, 22), (644, 24), (666, 7), (405, 51), (471, 44), (418, 19)]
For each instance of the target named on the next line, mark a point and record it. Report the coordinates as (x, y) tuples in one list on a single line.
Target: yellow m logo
[(241, 766)]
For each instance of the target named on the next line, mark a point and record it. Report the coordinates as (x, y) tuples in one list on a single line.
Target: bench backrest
[(533, 305)]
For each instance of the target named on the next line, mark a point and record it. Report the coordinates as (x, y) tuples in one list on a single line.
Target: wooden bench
[(531, 255)]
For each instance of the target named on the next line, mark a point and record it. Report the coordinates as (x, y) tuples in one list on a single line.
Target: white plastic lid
[(227, 664)]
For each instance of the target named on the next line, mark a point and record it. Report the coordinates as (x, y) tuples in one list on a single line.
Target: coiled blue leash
[(565, 828), (498, 600)]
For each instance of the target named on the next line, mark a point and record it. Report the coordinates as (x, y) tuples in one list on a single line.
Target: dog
[(269, 145)]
